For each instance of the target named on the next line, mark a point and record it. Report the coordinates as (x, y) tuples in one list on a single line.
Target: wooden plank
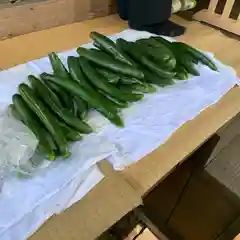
[(163, 201), (226, 166), (206, 209), (227, 8)]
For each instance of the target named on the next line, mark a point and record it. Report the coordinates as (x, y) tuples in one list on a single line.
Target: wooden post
[(223, 21)]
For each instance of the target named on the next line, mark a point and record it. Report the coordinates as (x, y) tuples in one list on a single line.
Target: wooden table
[(143, 175)]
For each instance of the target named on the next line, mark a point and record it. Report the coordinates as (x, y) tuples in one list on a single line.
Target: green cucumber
[(65, 98), (128, 80), (77, 73), (110, 76), (185, 60), (106, 61), (70, 133), (148, 63), (12, 112), (136, 87), (47, 96), (118, 103), (161, 53), (161, 41), (197, 54), (152, 78), (110, 47), (58, 67), (93, 98), (74, 110), (188, 64), (45, 116), (113, 118), (82, 107), (20, 109), (137, 55), (181, 73), (101, 83)]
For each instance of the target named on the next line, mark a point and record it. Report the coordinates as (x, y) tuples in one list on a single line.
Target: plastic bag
[(17, 146)]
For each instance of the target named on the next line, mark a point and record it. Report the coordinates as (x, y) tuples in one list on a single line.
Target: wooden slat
[(227, 8), (238, 18), (214, 19), (212, 6)]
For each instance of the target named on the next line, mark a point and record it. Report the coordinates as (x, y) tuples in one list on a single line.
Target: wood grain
[(27, 16)]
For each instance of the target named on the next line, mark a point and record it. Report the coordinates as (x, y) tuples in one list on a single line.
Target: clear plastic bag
[(17, 146)]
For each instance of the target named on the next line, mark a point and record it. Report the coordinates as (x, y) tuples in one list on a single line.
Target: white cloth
[(148, 124), (32, 220)]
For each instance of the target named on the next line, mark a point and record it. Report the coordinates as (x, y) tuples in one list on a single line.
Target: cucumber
[(47, 96), (191, 68), (117, 103), (187, 63), (93, 98), (146, 62), (71, 134), (100, 82), (50, 94), (57, 65), (152, 78), (46, 117), (182, 73), (136, 87), (110, 47), (159, 41), (113, 118), (77, 73), (128, 80), (12, 112), (82, 107), (74, 110), (27, 117), (197, 54), (97, 49), (106, 61), (137, 55), (185, 60), (110, 76), (65, 98), (161, 53)]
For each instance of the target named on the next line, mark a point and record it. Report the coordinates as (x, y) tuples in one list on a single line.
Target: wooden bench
[(223, 20)]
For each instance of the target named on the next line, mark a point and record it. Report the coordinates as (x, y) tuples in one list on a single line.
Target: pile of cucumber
[(106, 78)]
